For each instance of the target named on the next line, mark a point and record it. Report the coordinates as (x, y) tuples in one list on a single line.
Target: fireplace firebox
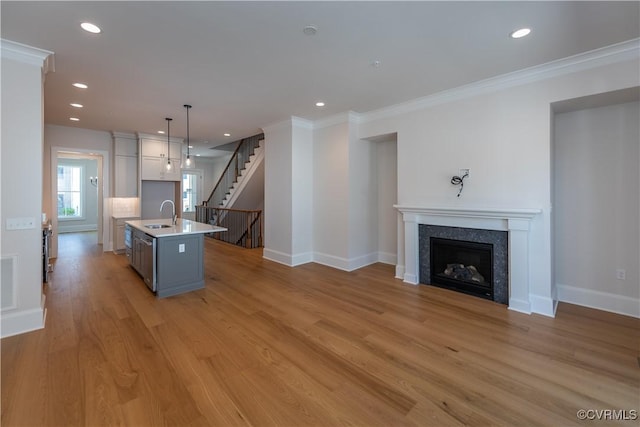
[(462, 266)]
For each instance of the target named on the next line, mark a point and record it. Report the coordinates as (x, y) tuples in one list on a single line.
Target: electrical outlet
[(621, 274), (464, 172), (181, 248)]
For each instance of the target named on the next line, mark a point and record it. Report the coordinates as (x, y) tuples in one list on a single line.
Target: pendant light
[(168, 119), (188, 161)]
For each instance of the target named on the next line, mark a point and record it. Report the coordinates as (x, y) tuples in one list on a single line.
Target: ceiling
[(246, 65)]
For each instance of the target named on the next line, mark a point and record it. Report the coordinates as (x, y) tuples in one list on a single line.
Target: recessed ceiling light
[(227, 134), (74, 119), (319, 104), (191, 146), (91, 28), (80, 85), (310, 30), (197, 155), (517, 34), (161, 131), (73, 104)]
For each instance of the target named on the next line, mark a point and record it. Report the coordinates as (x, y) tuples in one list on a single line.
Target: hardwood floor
[(266, 344)]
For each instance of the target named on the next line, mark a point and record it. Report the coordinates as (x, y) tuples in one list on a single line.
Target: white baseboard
[(387, 258), (399, 271), (345, 264), (331, 261), (300, 259), (412, 279), (77, 228), (600, 300), (286, 259), (519, 305), (19, 322), (543, 305)]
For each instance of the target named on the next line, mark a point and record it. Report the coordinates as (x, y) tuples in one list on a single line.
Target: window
[(189, 192), (70, 192)]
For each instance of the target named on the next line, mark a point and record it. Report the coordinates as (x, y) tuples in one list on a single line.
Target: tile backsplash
[(125, 206)]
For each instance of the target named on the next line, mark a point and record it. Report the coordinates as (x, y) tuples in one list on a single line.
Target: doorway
[(79, 180)]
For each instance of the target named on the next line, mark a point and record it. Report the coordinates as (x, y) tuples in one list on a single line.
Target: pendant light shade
[(168, 119), (188, 161)]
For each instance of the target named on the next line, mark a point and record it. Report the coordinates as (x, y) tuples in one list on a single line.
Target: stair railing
[(244, 227), (239, 158)]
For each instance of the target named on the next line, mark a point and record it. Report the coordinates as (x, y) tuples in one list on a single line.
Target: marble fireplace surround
[(515, 221)]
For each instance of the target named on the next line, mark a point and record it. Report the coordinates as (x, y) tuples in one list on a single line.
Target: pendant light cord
[(187, 106), (168, 119)]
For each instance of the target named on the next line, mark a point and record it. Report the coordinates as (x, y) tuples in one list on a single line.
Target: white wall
[(363, 201), (288, 192), (302, 190), (331, 194), (278, 193), (21, 160), (597, 207), (504, 136), (89, 221), (354, 188)]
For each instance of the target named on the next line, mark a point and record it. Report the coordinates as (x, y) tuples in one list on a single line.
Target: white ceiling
[(245, 65)]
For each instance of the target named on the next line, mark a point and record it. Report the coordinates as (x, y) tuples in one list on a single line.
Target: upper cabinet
[(154, 157), (125, 165)]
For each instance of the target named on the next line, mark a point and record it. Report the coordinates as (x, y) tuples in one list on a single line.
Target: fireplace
[(467, 249), (511, 281), (462, 266)]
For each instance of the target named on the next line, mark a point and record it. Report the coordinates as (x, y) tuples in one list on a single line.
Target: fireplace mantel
[(515, 221)]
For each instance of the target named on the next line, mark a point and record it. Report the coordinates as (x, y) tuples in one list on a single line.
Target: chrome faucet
[(174, 217)]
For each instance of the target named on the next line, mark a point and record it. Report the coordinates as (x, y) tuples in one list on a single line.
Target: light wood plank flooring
[(266, 344)]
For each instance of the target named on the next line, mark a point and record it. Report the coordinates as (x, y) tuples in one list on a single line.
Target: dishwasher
[(148, 260)]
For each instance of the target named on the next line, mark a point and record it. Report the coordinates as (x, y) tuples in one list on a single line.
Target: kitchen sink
[(155, 226)]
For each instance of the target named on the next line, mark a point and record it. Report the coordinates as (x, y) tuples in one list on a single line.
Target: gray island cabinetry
[(169, 257)]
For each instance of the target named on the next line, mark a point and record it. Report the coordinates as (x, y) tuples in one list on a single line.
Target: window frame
[(81, 191)]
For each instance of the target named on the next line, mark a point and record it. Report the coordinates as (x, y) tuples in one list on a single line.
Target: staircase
[(238, 197), (245, 161), (237, 193)]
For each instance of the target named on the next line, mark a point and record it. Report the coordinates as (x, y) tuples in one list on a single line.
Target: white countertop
[(124, 216), (183, 226)]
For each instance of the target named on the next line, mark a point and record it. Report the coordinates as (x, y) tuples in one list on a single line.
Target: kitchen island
[(169, 257)]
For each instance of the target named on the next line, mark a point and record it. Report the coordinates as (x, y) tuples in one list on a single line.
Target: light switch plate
[(25, 223), (181, 248)]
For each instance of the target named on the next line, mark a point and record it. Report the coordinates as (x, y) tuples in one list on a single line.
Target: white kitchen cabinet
[(126, 179), (154, 160), (125, 165)]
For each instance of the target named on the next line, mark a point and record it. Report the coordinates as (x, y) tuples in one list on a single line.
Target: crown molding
[(124, 135), (28, 54), (299, 122), (289, 123), (619, 52), (336, 119), (159, 137)]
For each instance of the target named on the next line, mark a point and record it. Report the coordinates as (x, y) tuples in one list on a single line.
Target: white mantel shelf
[(500, 213), (515, 221)]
